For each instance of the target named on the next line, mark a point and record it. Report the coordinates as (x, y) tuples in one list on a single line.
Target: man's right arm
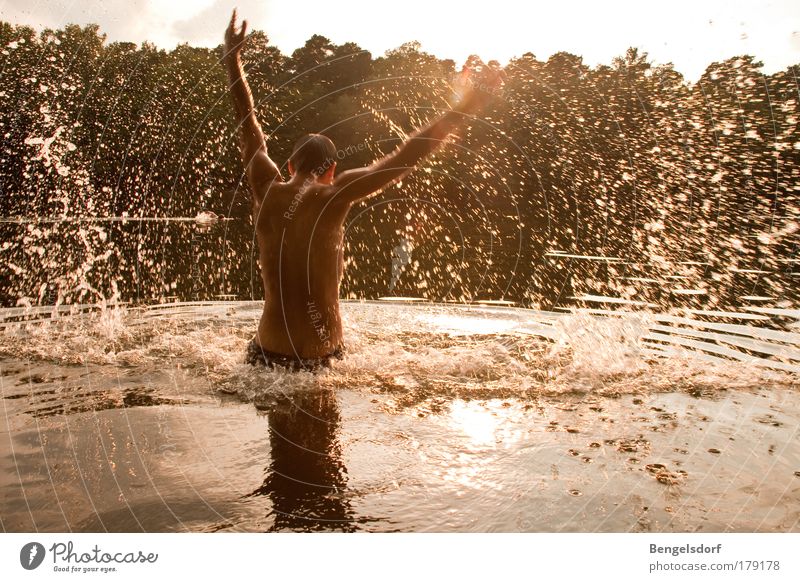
[(261, 170), (354, 185)]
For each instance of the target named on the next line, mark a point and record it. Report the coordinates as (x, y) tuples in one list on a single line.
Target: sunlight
[(454, 30), (468, 325), (475, 421)]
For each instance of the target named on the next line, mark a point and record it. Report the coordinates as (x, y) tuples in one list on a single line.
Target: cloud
[(163, 23), (114, 16)]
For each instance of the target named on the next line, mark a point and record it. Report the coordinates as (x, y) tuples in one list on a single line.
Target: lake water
[(440, 418)]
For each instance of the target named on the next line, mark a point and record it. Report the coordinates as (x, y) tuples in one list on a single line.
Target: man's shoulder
[(329, 194), (276, 190), (289, 201)]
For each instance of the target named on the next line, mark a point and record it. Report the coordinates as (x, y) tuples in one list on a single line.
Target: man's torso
[(300, 230)]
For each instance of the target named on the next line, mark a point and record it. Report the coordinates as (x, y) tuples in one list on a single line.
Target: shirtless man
[(300, 222)]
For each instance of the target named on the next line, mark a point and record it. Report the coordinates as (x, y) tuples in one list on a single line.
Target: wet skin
[(299, 223)]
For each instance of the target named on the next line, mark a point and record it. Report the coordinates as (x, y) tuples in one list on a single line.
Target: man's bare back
[(300, 222), (300, 231)]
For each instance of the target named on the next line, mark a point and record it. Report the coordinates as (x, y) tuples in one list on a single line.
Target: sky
[(689, 33)]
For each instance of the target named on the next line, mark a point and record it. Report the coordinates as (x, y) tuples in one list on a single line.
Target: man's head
[(314, 154)]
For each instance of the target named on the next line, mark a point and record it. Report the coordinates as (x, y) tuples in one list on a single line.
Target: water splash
[(590, 191), (414, 353)]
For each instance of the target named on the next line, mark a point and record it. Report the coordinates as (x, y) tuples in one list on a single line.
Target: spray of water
[(591, 191)]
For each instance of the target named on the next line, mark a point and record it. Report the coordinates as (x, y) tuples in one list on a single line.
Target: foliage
[(629, 160)]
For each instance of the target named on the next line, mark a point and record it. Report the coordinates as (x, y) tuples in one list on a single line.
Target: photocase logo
[(31, 555)]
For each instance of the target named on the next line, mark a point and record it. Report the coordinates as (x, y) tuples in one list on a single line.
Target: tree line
[(622, 179)]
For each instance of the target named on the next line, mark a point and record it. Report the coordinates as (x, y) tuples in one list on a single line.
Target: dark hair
[(313, 154)]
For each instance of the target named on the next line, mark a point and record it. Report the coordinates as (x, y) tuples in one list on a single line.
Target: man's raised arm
[(353, 185), (261, 170)]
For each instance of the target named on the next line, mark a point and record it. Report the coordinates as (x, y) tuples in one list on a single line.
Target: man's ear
[(291, 168), (327, 177)]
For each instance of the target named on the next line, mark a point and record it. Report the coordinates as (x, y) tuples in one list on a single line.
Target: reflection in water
[(306, 477)]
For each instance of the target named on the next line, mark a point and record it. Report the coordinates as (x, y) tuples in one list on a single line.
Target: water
[(440, 418), (625, 182), (588, 301)]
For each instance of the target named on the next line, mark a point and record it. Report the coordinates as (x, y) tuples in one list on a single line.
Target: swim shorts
[(256, 355)]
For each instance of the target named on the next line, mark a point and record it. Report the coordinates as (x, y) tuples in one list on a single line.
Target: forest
[(622, 180)]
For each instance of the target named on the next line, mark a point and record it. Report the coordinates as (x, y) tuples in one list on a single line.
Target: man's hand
[(478, 86), (234, 41), (261, 170)]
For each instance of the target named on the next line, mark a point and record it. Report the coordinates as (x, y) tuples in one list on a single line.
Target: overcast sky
[(689, 33)]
